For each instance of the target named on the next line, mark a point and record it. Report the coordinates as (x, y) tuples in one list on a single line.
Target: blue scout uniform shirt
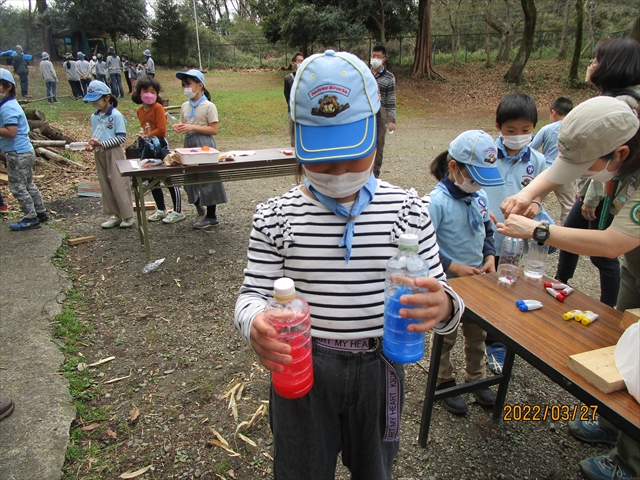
[(517, 172), (464, 236), (104, 127), (547, 138), (11, 114)]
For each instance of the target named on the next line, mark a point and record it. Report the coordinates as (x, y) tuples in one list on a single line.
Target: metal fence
[(400, 51)]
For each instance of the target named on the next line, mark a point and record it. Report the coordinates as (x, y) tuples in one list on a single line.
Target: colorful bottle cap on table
[(571, 314), (526, 305), (587, 317), (556, 285), (557, 294)]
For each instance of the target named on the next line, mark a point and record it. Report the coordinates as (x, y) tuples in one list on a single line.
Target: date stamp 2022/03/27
[(555, 413)]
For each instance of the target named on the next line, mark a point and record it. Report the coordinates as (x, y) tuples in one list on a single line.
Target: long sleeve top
[(156, 119), (387, 86), (47, 71)]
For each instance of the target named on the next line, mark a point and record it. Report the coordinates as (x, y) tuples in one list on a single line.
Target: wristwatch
[(541, 232)]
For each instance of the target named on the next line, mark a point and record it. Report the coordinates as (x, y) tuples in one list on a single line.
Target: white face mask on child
[(189, 93), (338, 186), (468, 185), (516, 142)]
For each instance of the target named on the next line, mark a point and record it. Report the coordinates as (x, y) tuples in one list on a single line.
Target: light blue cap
[(477, 150), (6, 76), (334, 101), (96, 90), (79, 55), (197, 74), (146, 53)]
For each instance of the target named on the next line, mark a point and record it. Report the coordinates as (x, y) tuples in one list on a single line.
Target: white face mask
[(2, 96), (603, 175), (338, 186), (516, 142), (189, 93), (376, 63), (468, 185)]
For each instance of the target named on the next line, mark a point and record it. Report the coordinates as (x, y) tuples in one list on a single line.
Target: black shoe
[(485, 397), (456, 405), (43, 217)]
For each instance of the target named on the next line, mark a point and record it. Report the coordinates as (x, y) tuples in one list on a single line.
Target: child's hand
[(182, 127), (532, 211), (435, 304), (94, 143), (589, 213), (271, 353), (489, 264), (462, 270)]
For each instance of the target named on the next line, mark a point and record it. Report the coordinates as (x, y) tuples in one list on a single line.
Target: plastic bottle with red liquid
[(289, 315)]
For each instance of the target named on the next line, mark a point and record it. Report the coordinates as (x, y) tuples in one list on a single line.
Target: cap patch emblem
[(329, 107)]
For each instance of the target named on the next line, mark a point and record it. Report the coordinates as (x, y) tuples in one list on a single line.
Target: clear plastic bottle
[(171, 118), (510, 257), (147, 128), (289, 315), (76, 146), (399, 344), (536, 259)]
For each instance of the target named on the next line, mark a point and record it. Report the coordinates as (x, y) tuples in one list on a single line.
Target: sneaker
[(174, 217), (602, 468), (6, 407), (206, 223), (456, 405), (157, 216), (4, 209), (25, 224), (114, 221), (43, 217), (201, 210), (495, 355), (485, 396), (590, 431), (127, 223)]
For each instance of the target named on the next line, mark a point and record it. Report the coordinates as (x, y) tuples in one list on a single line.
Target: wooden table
[(270, 162), (543, 339)]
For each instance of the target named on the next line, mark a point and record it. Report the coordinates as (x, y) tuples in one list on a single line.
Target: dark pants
[(51, 91), (354, 407), (382, 132), (116, 85), (128, 80), (84, 84), (609, 267), (24, 84), (76, 89)]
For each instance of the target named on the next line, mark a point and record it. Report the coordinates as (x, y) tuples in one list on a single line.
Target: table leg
[(510, 356), (432, 379), (143, 228)]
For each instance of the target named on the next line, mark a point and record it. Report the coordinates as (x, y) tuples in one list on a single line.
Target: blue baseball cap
[(96, 90), (6, 76), (477, 150), (334, 101), (79, 55), (196, 74)]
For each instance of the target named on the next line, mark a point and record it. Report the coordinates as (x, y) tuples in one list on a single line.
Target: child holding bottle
[(199, 121), (108, 133), (333, 236), (460, 216), (153, 123)]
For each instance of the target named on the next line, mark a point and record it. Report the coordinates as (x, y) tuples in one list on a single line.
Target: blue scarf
[(364, 198), (473, 216), (195, 104)]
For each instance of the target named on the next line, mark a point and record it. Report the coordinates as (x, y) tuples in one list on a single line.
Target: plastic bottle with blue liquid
[(399, 344)]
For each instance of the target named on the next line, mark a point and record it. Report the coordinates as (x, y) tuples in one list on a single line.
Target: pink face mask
[(149, 98)]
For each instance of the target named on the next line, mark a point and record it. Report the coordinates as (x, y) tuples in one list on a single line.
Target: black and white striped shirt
[(296, 236)]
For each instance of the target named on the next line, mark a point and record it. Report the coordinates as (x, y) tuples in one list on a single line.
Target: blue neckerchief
[(195, 104), (364, 198), (97, 114), (524, 154), (475, 220)]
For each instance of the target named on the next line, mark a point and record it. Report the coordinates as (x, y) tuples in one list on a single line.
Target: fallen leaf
[(177, 280), (248, 440), (233, 407), (81, 366), (88, 428), (134, 413), (111, 433), (135, 474), (218, 443)]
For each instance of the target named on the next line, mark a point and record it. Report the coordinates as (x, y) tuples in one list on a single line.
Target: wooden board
[(147, 206), (89, 189), (629, 317), (79, 240), (598, 367)]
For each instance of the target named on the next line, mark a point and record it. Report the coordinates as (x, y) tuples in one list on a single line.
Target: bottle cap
[(284, 289), (408, 240)]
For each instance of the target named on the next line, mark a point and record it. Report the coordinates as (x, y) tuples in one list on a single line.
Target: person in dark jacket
[(20, 68)]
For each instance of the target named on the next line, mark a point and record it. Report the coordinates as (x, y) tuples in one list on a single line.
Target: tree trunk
[(514, 75), (635, 31), (383, 34), (34, 124), (588, 15), (575, 61), (29, 23), (422, 63), (48, 143), (488, 38), (54, 134), (49, 155), (562, 53), (34, 114)]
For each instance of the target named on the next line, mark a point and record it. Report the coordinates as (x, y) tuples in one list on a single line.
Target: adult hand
[(391, 126), (589, 213), (271, 353), (517, 226), (518, 204), (434, 305)]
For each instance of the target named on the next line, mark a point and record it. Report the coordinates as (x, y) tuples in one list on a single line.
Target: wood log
[(33, 124), (49, 155), (34, 114), (54, 134), (48, 143), (51, 164), (79, 240)]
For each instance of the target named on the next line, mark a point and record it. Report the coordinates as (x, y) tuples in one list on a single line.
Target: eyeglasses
[(378, 56)]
